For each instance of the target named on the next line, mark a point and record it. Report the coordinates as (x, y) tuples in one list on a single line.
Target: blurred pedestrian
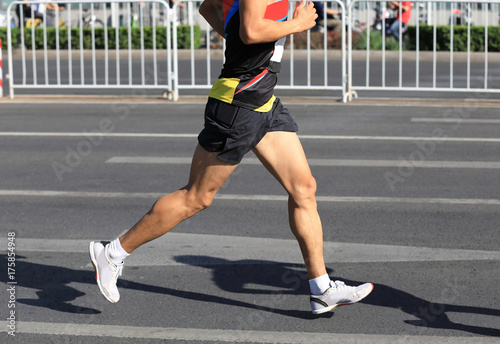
[(406, 7)]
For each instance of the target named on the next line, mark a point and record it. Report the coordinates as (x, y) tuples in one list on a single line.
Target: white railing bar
[(292, 43), (117, 44), (368, 10), (325, 47), (23, 50), (209, 47), (129, 15), (423, 89), (174, 44), (468, 47), (383, 43), (417, 50), (33, 47), (344, 79), (45, 53), (106, 58), (92, 31), (308, 49), (170, 74), (452, 23), (155, 62), (9, 54), (434, 39), (400, 10), (141, 24), (58, 57), (485, 45), (191, 43), (82, 66), (70, 59), (98, 86)]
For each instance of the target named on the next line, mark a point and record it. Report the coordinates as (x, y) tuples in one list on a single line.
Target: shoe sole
[(331, 308), (93, 260)]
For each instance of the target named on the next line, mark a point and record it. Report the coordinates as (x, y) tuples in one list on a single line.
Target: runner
[(242, 114)]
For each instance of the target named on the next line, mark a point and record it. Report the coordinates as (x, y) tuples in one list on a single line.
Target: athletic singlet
[(248, 77)]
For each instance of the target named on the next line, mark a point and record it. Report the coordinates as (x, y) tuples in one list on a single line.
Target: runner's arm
[(211, 10), (255, 28)]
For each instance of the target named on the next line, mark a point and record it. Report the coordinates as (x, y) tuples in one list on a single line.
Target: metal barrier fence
[(191, 69), (324, 60), (109, 68), (408, 69), (325, 69)]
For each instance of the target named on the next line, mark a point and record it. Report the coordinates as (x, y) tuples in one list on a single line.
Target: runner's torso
[(247, 79)]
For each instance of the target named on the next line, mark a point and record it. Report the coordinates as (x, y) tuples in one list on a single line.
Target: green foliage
[(443, 33), (426, 39), (376, 42), (426, 34), (3, 36), (183, 37)]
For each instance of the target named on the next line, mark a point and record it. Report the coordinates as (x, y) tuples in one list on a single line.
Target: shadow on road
[(241, 277)]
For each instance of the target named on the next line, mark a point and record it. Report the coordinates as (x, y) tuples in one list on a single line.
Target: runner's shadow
[(248, 277), (54, 292), (52, 284), (432, 314), (236, 276)]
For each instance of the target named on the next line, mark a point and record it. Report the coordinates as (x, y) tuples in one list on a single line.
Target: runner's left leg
[(206, 178)]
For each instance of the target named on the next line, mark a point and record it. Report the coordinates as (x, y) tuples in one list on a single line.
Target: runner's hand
[(305, 15)]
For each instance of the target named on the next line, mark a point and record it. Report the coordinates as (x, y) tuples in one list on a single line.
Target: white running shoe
[(106, 272), (339, 294)]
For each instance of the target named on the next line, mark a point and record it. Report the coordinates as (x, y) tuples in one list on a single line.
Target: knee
[(304, 191), (197, 202)]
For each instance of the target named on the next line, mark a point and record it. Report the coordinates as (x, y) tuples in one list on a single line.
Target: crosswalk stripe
[(233, 336), (343, 199), (305, 137), (316, 162), (455, 120), (207, 249)]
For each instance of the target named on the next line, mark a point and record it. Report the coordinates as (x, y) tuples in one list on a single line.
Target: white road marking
[(455, 120), (305, 137), (316, 162), (77, 134), (322, 101), (207, 249), (344, 199), (232, 336)]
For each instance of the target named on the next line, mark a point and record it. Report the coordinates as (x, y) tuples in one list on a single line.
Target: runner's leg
[(282, 154), (206, 177)]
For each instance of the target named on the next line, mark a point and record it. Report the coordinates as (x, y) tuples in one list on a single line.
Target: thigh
[(395, 26), (282, 154), (208, 173)]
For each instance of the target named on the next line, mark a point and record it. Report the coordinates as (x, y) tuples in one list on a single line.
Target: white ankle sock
[(319, 284), (116, 252)]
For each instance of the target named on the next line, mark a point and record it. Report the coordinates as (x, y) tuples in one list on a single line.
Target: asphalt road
[(408, 194)]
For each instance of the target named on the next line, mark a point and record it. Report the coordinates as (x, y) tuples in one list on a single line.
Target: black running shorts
[(234, 131)]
